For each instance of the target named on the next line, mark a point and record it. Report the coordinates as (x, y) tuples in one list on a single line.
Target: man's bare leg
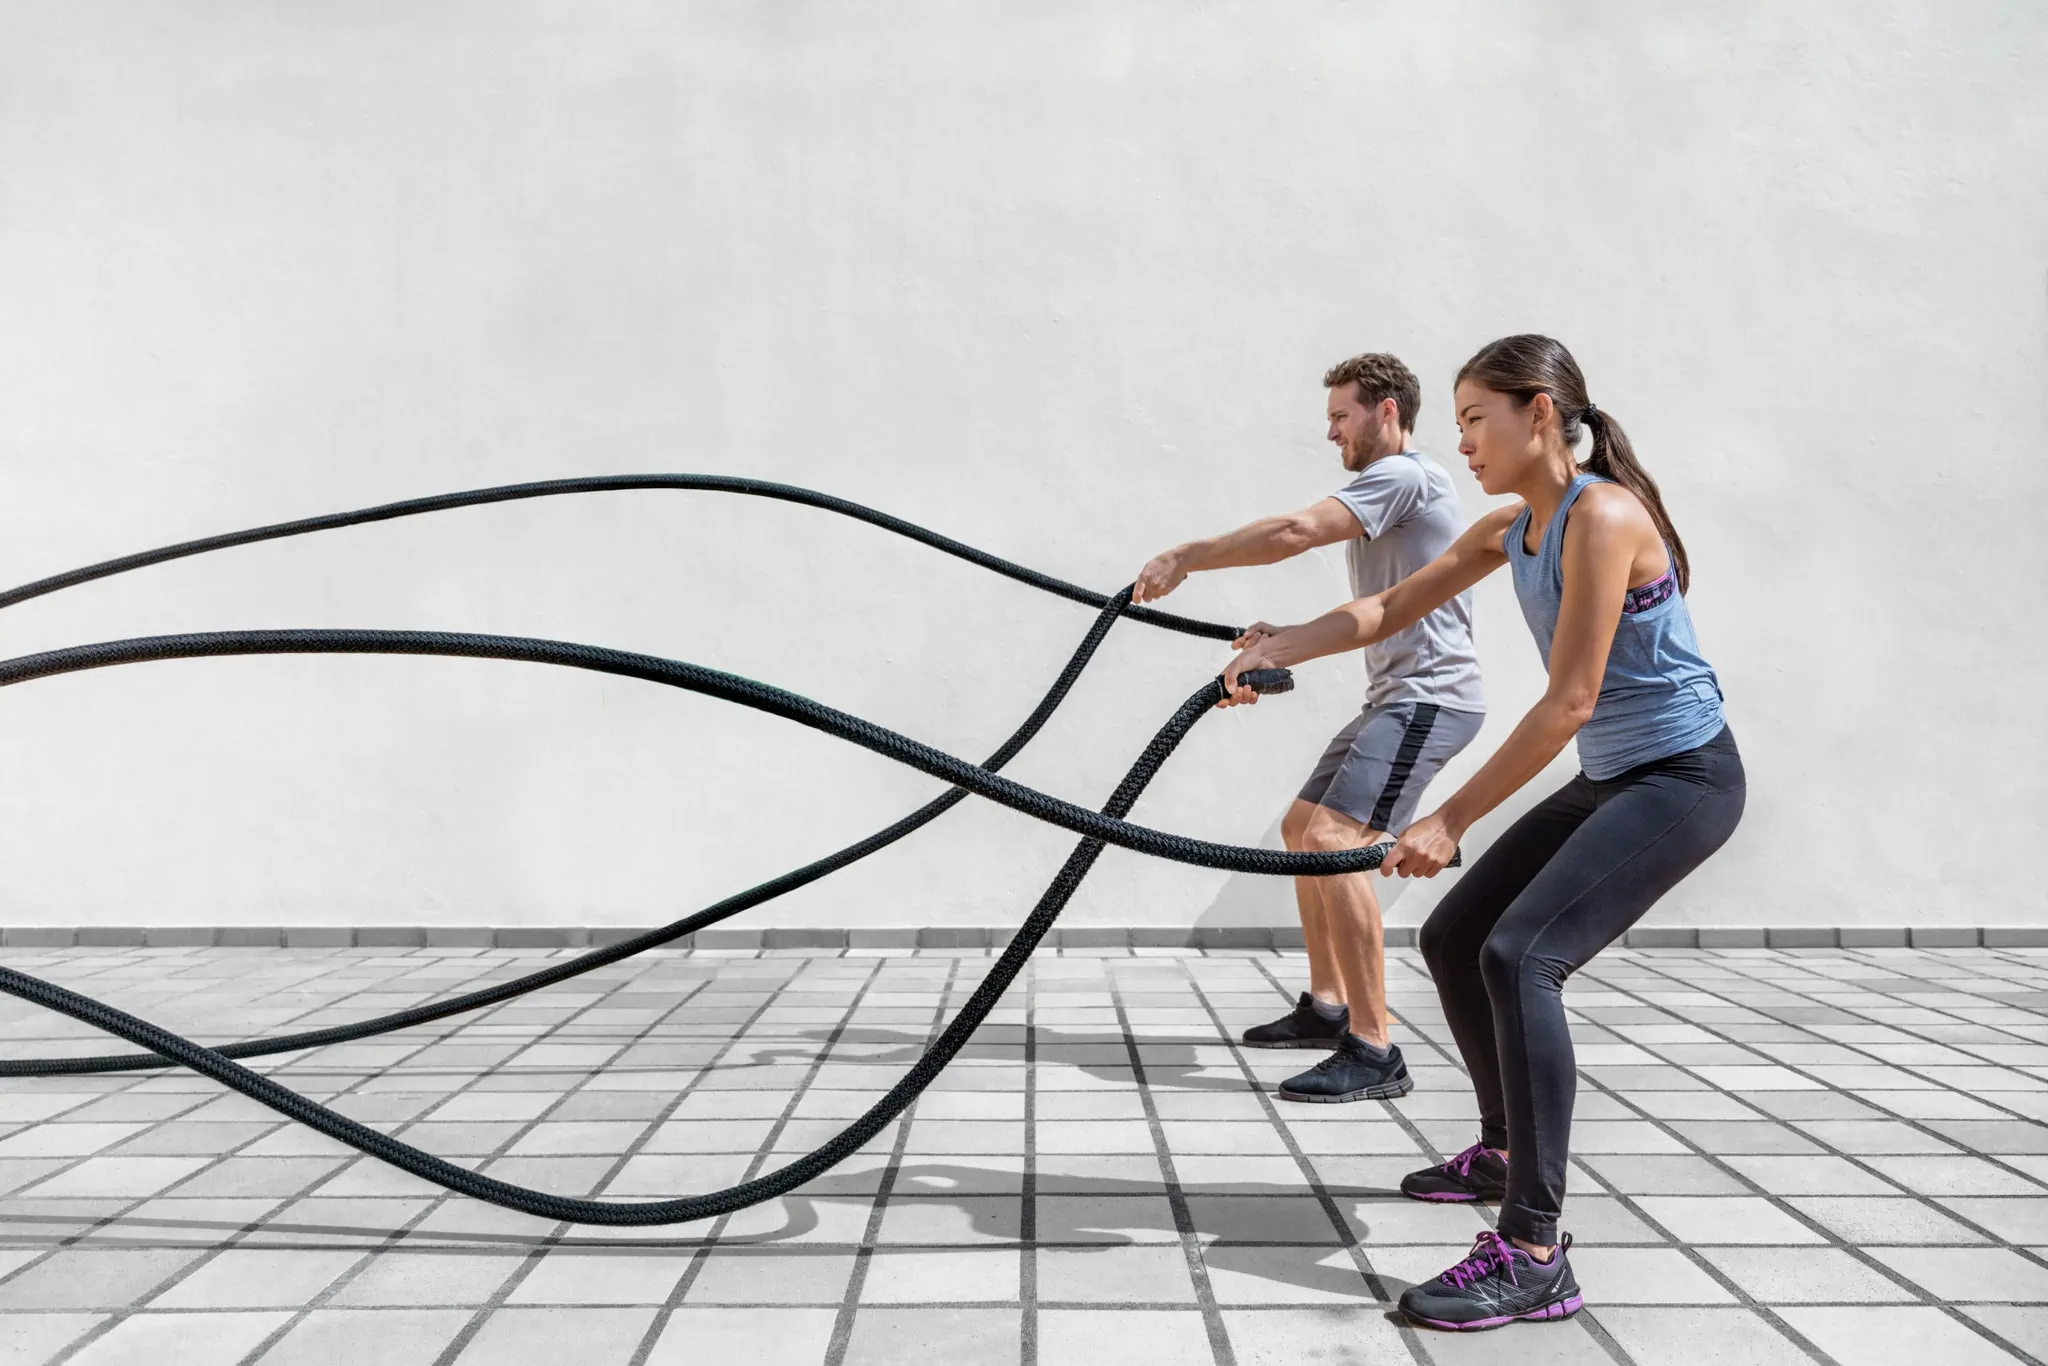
[(1324, 981), (1349, 911), (1364, 1065), (1319, 1020)]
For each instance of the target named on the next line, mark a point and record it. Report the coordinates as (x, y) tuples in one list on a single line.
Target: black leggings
[(1563, 883)]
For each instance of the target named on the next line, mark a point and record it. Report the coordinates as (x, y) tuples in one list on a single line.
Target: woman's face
[(1497, 436)]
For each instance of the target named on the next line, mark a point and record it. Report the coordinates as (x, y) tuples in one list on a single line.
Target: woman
[(1601, 576)]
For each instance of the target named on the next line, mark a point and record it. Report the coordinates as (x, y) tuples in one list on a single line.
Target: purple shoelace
[(1462, 1163), (1489, 1253)]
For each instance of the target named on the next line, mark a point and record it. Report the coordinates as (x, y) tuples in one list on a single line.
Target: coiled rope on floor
[(1097, 829)]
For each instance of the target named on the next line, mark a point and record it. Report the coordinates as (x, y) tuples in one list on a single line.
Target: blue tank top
[(1658, 697)]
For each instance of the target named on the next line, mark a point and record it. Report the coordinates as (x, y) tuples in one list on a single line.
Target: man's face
[(1355, 426)]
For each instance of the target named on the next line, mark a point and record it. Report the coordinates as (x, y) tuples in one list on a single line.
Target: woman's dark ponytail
[(1527, 365), (1613, 458)]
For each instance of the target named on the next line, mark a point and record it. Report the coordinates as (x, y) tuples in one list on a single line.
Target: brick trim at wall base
[(968, 937)]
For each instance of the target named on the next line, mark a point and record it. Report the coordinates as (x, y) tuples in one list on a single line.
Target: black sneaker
[(1478, 1173), (1499, 1283), (1351, 1073), (1300, 1028)]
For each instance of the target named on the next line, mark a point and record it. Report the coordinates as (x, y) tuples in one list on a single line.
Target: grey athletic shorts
[(1376, 768)]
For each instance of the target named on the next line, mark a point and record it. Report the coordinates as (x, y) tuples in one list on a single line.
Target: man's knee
[(1295, 824), (1327, 832)]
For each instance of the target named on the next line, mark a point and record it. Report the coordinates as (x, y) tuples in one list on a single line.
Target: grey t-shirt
[(1411, 515)]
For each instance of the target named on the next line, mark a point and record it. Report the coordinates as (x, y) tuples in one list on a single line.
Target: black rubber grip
[(1376, 854), (1260, 681)]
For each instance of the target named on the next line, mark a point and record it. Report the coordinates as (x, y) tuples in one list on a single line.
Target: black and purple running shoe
[(1498, 1284), (1478, 1173)]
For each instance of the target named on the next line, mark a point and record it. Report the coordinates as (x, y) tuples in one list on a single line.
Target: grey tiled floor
[(1780, 1156)]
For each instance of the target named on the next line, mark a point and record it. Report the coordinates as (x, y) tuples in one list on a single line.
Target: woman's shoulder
[(1605, 506)]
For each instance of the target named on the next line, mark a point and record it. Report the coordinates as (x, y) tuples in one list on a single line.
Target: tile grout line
[(1784, 1205), (1909, 1068), (132, 1084), (849, 1306), (396, 1239), (1411, 1338), (822, 1248), (1631, 973), (1687, 1250), (1594, 1327), (210, 1254), (1027, 1225), (74, 1241), (1083, 1306), (1176, 1197), (548, 1242), (1827, 1148), (1933, 1083), (681, 1290)]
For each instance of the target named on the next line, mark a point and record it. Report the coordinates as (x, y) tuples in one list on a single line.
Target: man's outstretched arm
[(1266, 541)]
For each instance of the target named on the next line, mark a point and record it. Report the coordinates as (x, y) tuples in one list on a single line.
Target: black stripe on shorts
[(1413, 738)]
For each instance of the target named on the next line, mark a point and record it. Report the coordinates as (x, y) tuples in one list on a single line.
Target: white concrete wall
[(1059, 279)]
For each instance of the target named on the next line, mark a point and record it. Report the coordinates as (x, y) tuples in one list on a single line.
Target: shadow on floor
[(1278, 1233), (1098, 1052)]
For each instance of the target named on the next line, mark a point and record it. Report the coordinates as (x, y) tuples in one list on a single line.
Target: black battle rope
[(613, 483), (1235, 858), (1098, 829), (625, 948), (1112, 607), (686, 1208)]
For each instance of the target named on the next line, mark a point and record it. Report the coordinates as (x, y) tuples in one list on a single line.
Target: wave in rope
[(1098, 829)]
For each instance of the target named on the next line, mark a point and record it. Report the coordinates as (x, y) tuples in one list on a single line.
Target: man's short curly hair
[(1379, 377)]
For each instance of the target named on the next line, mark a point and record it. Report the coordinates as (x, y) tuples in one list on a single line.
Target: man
[(1423, 705)]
